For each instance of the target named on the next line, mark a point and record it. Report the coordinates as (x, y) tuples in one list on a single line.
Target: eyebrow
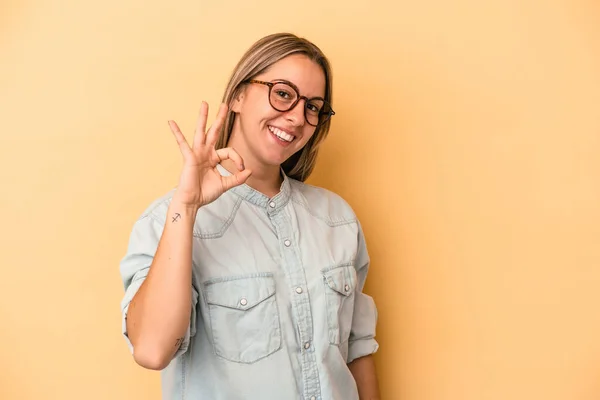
[(296, 87)]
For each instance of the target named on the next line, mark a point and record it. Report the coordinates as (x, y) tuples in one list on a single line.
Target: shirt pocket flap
[(239, 293), (341, 279)]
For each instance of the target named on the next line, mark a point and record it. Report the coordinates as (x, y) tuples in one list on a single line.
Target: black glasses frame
[(327, 110)]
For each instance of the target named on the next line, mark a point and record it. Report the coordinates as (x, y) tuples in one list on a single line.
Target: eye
[(314, 108), (283, 94)]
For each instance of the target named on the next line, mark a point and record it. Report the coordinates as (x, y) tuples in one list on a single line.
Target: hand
[(200, 182)]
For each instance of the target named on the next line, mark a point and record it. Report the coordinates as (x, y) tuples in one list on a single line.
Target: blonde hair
[(258, 58)]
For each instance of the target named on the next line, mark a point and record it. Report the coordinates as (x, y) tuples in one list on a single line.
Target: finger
[(229, 153), (200, 134), (213, 133), (184, 147), (236, 179)]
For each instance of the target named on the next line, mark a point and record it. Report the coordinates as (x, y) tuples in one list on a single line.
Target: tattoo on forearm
[(178, 342), (176, 217)]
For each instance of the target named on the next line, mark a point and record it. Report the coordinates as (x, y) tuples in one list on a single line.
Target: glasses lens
[(315, 112), (283, 96)]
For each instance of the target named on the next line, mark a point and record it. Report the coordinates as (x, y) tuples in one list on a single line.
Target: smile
[(286, 137)]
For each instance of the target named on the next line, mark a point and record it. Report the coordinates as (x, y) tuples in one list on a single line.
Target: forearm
[(159, 313), (363, 370)]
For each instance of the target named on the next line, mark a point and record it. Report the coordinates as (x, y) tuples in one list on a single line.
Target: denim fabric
[(278, 303)]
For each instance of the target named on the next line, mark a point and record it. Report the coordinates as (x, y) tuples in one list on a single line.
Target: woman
[(244, 282)]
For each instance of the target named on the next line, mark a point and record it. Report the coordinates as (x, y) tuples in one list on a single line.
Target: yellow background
[(466, 137)]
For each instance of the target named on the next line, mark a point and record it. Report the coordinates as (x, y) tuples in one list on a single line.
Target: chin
[(275, 151)]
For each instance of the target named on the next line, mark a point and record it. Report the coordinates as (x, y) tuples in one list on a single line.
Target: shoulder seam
[(328, 221)]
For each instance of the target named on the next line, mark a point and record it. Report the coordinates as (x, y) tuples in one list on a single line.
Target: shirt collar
[(260, 199)]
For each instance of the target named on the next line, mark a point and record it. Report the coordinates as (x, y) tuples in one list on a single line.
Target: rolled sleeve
[(364, 321), (362, 336), (134, 268)]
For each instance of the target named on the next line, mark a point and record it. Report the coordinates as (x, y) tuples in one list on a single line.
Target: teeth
[(281, 134)]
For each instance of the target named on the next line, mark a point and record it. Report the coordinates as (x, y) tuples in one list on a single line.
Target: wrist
[(185, 209)]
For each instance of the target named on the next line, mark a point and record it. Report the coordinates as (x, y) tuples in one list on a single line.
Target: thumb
[(236, 180)]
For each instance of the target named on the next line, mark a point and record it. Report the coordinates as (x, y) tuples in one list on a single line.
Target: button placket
[(301, 307)]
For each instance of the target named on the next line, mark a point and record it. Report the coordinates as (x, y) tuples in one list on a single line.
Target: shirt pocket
[(340, 285), (244, 317)]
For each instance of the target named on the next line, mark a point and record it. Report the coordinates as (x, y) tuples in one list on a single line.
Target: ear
[(236, 105)]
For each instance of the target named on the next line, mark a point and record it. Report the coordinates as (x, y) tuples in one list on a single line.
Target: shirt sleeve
[(134, 268), (362, 335)]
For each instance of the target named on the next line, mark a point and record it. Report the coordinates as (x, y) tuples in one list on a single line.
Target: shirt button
[(346, 288), (287, 243), (307, 345), (298, 290), (313, 398), (272, 204), (243, 302)]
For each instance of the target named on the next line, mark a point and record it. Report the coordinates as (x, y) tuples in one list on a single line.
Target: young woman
[(244, 282)]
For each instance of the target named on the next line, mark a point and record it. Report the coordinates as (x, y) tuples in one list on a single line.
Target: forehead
[(307, 75)]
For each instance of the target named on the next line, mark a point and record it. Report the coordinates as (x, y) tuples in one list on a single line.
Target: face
[(269, 136)]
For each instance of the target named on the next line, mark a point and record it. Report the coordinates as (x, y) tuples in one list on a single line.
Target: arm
[(159, 304), (159, 313), (362, 344), (363, 370)]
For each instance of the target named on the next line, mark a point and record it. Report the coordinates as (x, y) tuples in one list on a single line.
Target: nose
[(296, 114)]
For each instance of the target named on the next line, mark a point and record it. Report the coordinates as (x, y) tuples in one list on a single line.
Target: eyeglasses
[(284, 95)]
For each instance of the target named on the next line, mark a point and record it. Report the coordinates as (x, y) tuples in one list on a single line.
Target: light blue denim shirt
[(277, 288)]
